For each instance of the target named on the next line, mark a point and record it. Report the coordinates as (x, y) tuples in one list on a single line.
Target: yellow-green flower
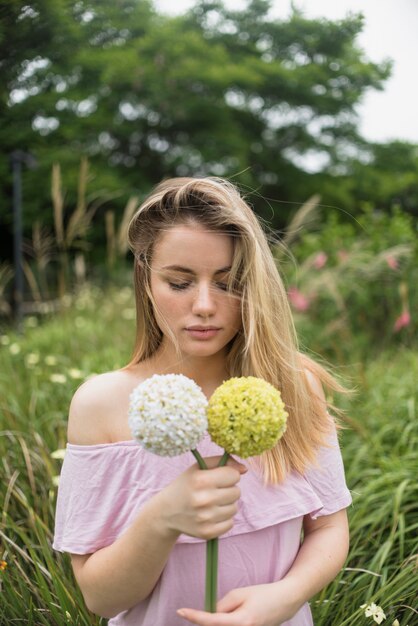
[(246, 416)]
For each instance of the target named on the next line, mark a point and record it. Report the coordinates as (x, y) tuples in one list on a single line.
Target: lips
[(202, 332), (203, 328)]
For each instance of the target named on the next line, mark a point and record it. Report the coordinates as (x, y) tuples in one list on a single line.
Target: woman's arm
[(198, 503), (318, 561)]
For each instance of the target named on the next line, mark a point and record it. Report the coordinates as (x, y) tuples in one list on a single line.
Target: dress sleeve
[(95, 498), (327, 478)]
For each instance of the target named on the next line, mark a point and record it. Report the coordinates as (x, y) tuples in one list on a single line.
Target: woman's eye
[(178, 286), (223, 286)]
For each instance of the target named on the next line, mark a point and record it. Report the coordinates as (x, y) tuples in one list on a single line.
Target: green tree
[(144, 95)]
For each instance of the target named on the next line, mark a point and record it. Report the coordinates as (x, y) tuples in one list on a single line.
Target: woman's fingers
[(207, 619), (213, 462)]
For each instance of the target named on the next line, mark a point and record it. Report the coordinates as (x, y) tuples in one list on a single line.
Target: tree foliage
[(214, 91)]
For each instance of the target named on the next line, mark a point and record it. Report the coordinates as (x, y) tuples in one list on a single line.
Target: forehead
[(192, 243)]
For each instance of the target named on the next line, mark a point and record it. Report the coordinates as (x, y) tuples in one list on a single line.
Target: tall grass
[(39, 373)]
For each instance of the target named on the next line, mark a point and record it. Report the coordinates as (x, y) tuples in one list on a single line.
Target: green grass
[(95, 334)]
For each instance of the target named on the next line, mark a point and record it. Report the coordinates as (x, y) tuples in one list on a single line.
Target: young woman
[(210, 305)]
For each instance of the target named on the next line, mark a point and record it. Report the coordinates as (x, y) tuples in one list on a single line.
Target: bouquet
[(169, 415)]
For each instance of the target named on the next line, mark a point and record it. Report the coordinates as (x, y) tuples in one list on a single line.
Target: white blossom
[(32, 359), (167, 414), (58, 378), (58, 454), (375, 611), (75, 373)]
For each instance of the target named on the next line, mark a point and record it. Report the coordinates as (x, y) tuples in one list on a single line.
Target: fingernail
[(181, 613)]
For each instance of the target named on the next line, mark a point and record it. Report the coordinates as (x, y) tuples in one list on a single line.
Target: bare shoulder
[(99, 407)]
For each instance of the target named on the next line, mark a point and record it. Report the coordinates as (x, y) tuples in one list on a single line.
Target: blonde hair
[(267, 345)]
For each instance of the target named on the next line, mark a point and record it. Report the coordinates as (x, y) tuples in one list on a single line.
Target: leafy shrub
[(352, 284)]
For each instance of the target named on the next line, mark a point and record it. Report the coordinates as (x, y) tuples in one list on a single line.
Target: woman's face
[(189, 274)]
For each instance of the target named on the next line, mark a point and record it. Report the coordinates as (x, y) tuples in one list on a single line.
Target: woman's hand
[(202, 503), (321, 556), (260, 605)]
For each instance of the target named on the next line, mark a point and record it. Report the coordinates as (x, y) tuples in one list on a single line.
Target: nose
[(204, 304)]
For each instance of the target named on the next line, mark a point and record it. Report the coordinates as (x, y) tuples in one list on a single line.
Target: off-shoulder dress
[(103, 487)]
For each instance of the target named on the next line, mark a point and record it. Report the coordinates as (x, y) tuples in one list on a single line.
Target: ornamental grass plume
[(167, 414)]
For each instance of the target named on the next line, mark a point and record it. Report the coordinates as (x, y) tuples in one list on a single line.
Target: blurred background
[(100, 101), (310, 108)]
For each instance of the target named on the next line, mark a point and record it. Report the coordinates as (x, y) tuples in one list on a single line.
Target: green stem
[(224, 459), (214, 576), (211, 586), (209, 548), (199, 459), (208, 587)]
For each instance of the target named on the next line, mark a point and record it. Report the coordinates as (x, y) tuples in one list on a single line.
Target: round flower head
[(167, 414), (246, 416)]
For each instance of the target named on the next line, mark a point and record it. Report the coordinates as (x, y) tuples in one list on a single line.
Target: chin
[(203, 350)]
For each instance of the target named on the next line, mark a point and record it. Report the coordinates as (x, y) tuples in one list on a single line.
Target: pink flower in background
[(298, 300), (403, 320), (392, 262), (320, 260)]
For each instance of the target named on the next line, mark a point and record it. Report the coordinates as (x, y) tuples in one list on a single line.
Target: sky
[(390, 31)]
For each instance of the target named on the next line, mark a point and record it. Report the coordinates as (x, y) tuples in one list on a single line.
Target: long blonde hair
[(267, 346)]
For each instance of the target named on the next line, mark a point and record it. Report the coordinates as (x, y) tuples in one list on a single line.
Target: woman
[(210, 305)]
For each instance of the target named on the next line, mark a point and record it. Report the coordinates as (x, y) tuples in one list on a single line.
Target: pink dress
[(102, 488)]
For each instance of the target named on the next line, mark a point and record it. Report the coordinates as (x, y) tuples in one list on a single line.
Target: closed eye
[(185, 285), (178, 286)]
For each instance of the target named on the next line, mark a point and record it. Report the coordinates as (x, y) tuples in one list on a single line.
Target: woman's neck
[(207, 372)]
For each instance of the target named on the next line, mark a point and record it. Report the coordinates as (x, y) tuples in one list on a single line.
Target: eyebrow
[(186, 270)]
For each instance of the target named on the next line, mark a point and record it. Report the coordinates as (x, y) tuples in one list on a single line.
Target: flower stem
[(224, 459), (208, 587), (199, 459), (214, 574), (209, 551), (211, 587)]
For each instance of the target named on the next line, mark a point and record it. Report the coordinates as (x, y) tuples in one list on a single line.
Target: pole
[(17, 240)]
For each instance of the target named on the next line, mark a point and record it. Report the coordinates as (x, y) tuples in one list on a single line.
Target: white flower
[(58, 454), (75, 373), (14, 348), (58, 378), (5, 340), (167, 414), (51, 359), (375, 611), (32, 359)]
